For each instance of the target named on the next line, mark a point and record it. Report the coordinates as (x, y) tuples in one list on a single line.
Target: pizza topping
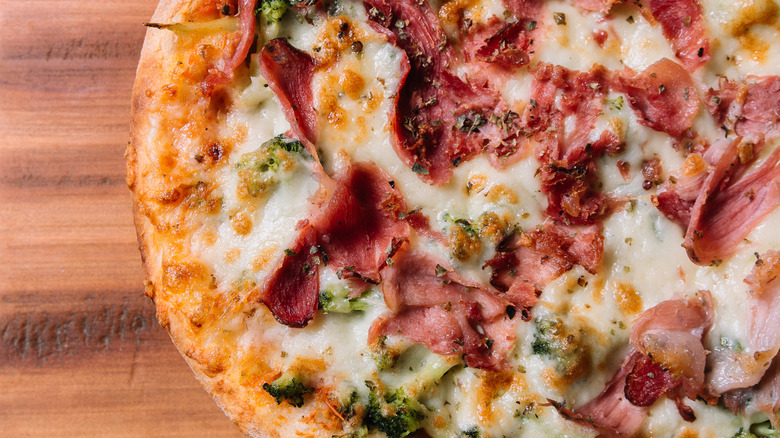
[(561, 117), (439, 120), (358, 227), (750, 109), (222, 71), (524, 263), (602, 6), (292, 290), (289, 73), (684, 26), (731, 203), (663, 97), (444, 311)]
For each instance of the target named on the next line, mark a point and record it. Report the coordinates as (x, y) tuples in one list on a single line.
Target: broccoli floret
[(257, 170), (394, 413), (288, 387), (758, 430), (273, 10), (384, 356), (471, 433), (335, 298), (567, 346)]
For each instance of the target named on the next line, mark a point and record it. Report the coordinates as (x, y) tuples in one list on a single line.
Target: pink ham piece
[(432, 305), (292, 291), (358, 227), (353, 229), (667, 358), (525, 263), (439, 120), (730, 205), (684, 27), (750, 108), (289, 73), (561, 117), (222, 71), (663, 97)]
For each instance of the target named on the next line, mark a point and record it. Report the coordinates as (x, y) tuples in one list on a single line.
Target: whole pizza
[(467, 218)]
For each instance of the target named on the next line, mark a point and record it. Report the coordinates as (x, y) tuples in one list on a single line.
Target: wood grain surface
[(80, 352)]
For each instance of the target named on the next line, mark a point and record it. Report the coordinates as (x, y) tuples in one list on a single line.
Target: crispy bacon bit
[(646, 382), (683, 24), (431, 304), (289, 73), (222, 71), (663, 97)]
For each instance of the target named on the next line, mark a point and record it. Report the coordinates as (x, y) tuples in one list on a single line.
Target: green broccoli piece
[(273, 10), (394, 413), (384, 356), (257, 170), (758, 430), (335, 298), (471, 433), (288, 387), (567, 346)]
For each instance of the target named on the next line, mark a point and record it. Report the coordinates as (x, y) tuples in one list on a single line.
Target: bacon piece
[(358, 228), (563, 127), (663, 97), (730, 205), (222, 71), (292, 291), (289, 73), (433, 305), (524, 264), (684, 27), (439, 120), (647, 382)]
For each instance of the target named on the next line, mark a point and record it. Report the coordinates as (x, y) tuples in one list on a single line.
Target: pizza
[(466, 218)]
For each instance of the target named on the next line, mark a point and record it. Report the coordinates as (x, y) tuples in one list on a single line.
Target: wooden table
[(80, 352)]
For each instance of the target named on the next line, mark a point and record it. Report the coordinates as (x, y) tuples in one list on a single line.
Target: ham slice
[(222, 71), (684, 27), (525, 263), (353, 229), (663, 97), (292, 291), (439, 120), (667, 358), (602, 6), (433, 305), (561, 117), (289, 73), (750, 108)]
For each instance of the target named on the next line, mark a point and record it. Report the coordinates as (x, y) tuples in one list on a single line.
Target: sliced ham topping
[(439, 120), (671, 335), (663, 96), (611, 413), (358, 227), (354, 230), (525, 263), (730, 205), (434, 306), (667, 358), (683, 25), (750, 108), (292, 291), (289, 73), (561, 117), (222, 71), (764, 397)]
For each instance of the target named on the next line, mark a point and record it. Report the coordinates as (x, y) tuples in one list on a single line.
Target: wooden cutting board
[(80, 352)]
